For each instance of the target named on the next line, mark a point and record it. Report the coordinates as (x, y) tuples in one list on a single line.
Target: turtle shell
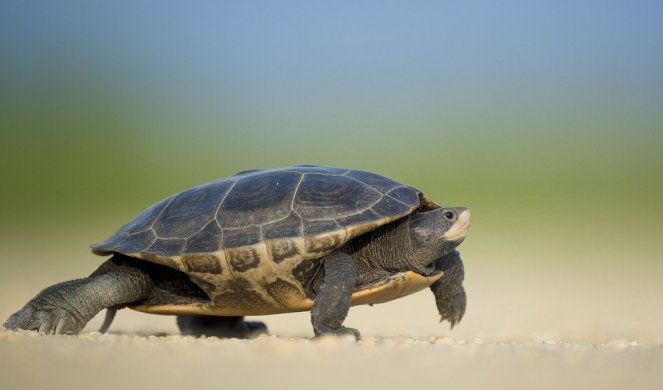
[(253, 240)]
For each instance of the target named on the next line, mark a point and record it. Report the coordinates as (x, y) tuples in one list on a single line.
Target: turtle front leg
[(67, 307), (449, 292), (332, 301)]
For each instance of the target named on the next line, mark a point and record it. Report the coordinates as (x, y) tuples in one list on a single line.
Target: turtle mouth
[(459, 228)]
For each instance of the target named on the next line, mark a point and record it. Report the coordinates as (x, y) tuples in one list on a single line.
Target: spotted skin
[(253, 241)]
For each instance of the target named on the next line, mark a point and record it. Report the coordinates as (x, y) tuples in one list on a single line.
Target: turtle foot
[(323, 331), (222, 327), (45, 320), (449, 293), (453, 309), (256, 328)]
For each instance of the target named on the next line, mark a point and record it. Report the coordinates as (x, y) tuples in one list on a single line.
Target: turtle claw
[(44, 328), (452, 321), (452, 310), (60, 326)]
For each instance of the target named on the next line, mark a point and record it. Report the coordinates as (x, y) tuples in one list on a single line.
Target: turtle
[(268, 241)]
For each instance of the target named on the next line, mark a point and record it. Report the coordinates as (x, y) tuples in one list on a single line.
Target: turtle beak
[(459, 228)]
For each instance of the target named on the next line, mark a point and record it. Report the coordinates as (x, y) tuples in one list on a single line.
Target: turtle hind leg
[(67, 307), (222, 327)]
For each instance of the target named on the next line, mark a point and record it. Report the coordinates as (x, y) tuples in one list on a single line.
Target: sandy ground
[(114, 361), (544, 327)]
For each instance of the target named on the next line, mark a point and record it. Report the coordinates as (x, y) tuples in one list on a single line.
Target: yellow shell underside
[(396, 286)]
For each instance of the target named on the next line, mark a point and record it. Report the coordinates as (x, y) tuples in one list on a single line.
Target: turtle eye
[(449, 215)]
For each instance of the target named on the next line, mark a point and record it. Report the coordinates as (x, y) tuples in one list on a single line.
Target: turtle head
[(435, 233)]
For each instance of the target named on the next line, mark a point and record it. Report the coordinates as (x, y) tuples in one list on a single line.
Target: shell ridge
[(151, 244), (306, 173), (228, 266), (279, 220), (194, 234), (367, 185), (357, 211), (138, 232), (398, 200), (372, 204), (292, 203), (307, 166), (218, 207), (172, 198), (243, 227), (184, 238)]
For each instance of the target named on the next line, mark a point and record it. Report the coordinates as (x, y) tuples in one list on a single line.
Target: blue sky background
[(533, 113), (252, 65)]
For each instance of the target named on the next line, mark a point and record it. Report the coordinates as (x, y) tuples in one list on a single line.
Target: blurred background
[(545, 118)]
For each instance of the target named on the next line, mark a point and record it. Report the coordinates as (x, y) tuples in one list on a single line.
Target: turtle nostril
[(450, 215)]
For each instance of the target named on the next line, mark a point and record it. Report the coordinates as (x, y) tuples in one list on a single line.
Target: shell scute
[(404, 194), (135, 242), (240, 292), (243, 259), (329, 197), (207, 240), (202, 263), (291, 226), (365, 217), (317, 245), (235, 238), (318, 227), (258, 199), (167, 247), (377, 182), (389, 206), (281, 250), (190, 211)]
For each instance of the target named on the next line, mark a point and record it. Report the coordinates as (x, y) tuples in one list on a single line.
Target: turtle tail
[(108, 319)]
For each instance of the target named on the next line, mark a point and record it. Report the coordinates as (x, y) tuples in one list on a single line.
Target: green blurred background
[(545, 118)]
